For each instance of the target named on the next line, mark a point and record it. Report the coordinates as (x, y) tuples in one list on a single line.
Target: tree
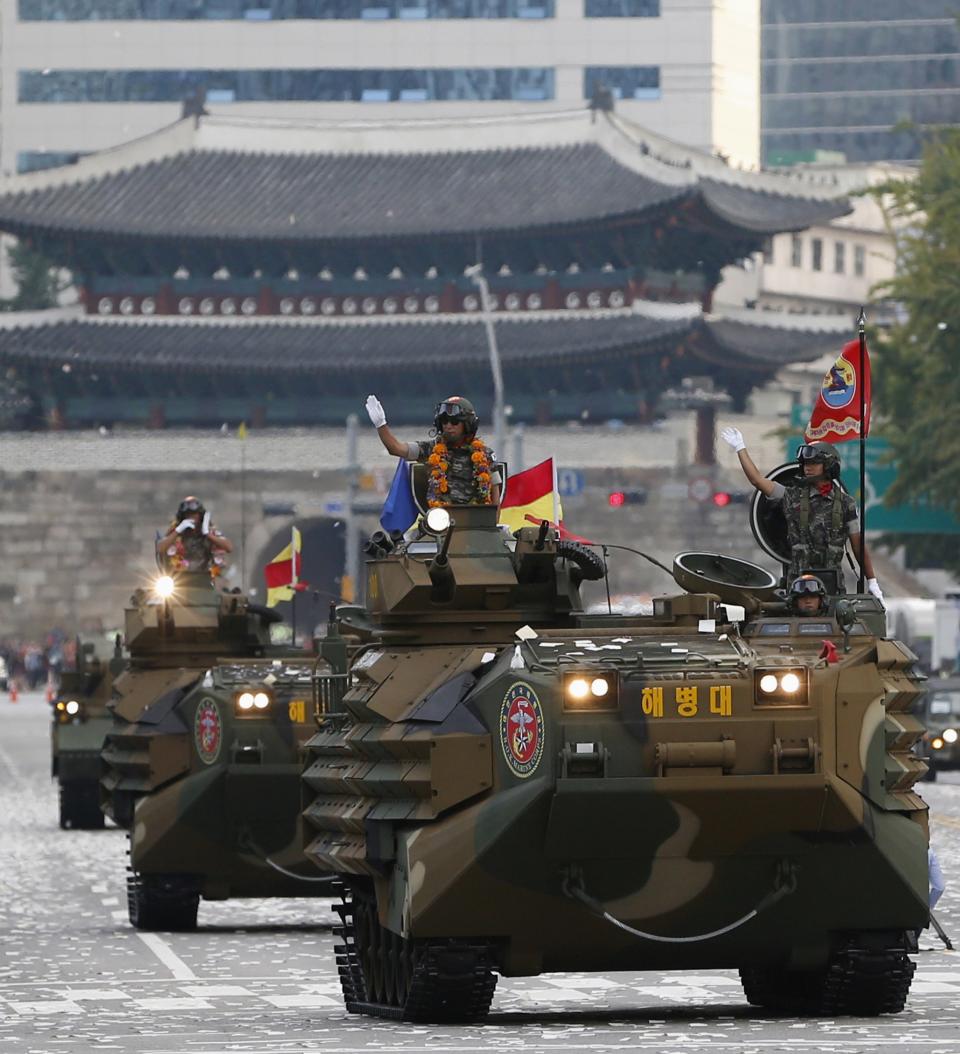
[(38, 281), (917, 362)]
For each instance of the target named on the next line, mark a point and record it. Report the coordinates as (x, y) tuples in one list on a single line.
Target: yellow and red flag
[(531, 497), (283, 571), (836, 413)]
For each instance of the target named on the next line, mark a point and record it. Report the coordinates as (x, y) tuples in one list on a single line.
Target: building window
[(34, 160), (221, 86), (624, 82), (839, 257), (271, 10), (622, 8), (859, 260), (796, 250), (816, 246)]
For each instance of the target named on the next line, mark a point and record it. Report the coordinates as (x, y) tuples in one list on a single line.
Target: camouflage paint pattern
[(681, 799)]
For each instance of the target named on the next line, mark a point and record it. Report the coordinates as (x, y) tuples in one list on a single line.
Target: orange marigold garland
[(439, 462)]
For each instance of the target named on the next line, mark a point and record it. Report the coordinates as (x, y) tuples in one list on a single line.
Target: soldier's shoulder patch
[(521, 729), (208, 731)]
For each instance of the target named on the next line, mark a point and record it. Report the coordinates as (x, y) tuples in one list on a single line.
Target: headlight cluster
[(589, 690), (163, 587), (936, 743), (250, 702), (781, 687), (68, 710), (950, 735)]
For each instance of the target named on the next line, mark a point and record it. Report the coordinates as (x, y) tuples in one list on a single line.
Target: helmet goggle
[(188, 506), (808, 452), (803, 586), (451, 412)]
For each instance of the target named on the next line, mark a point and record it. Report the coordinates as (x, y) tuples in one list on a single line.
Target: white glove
[(733, 437), (375, 411), (205, 525), (873, 586), (185, 525)]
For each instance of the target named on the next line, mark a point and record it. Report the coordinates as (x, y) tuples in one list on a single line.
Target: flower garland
[(179, 561), (439, 462)]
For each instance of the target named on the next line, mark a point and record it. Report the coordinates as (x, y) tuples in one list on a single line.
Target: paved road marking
[(168, 957)]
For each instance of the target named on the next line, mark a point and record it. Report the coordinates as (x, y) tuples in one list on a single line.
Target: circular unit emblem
[(839, 385), (208, 731), (521, 729)]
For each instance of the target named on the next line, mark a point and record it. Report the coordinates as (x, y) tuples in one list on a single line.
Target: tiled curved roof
[(324, 347), (206, 184)]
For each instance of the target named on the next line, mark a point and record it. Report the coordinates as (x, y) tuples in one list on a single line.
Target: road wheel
[(163, 902)]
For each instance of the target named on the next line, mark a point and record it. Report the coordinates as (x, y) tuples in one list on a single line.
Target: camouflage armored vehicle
[(940, 713), (511, 786), (203, 762), (80, 724)]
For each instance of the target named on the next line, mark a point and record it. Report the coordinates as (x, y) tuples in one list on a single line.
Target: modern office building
[(86, 75), (865, 78)]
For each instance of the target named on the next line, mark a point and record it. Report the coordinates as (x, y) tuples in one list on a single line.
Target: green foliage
[(917, 363), (38, 283)]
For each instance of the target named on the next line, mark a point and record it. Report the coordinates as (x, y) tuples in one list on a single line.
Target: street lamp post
[(479, 279)]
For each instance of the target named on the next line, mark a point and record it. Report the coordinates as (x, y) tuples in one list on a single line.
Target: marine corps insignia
[(208, 731), (521, 729)]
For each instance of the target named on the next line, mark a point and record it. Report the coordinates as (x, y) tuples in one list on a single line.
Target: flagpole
[(294, 578), (861, 324)]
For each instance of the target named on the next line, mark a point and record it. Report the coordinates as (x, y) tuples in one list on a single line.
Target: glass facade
[(864, 77), (221, 86), (625, 82), (621, 8), (34, 160), (271, 10)]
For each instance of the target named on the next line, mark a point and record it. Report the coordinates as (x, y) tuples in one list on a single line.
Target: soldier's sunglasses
[(810, 453)]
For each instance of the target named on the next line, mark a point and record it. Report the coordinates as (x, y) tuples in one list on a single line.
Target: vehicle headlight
[(937, 743), (438, 520), (590, 691), (780, 687), (164, 586), (252, 702), (950, 735), (72, 707)]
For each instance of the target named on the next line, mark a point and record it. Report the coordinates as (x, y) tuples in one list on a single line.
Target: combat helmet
[(825, 453), (457, 409), (189, 506)]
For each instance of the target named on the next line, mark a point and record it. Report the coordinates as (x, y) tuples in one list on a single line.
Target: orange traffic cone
[(51, 690), (13, 691)]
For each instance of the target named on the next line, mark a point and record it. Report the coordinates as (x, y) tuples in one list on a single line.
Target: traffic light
[(616, 498), (723, 498)]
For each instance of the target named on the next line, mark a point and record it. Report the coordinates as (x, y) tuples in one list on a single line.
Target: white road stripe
[(168, 957)]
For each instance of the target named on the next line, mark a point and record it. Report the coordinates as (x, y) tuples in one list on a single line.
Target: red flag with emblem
[(836, 413)]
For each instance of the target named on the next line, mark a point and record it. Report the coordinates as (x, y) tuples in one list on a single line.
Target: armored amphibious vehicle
[(80, 724), (510, 786), (203, 761)]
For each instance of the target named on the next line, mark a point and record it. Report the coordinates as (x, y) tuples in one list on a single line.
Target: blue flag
[(399, 510)]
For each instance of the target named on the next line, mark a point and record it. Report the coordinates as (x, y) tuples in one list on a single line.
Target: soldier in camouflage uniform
[(463, 468), (192, 542), (820, 515)]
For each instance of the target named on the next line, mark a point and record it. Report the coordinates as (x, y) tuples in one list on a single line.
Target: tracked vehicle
[(506, 785), (80, 724), (203, 760)]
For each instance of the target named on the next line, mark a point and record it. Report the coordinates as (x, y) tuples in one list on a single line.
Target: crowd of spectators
[(31, 662)]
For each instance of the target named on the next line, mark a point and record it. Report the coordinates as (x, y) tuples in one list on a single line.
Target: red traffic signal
[(721, 499), (616, 498)]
